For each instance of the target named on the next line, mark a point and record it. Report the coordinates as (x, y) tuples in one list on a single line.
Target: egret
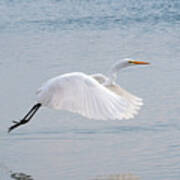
[(94, 96)]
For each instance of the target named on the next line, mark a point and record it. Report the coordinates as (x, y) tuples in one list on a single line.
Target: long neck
[(113, 73)]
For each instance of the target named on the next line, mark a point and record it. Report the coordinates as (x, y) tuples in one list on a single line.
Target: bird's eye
[(130, 61)]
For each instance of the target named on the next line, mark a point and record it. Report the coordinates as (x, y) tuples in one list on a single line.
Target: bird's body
[(93, 96), (81, 93)]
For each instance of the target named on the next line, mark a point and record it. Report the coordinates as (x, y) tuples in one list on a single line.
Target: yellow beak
[(138, 62)]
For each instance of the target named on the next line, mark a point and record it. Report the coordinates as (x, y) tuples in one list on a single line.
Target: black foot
[(26, 118), (16, 124)]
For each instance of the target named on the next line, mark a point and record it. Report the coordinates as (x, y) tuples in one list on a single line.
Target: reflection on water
[(21, 176), (7, 172), (127, 176)]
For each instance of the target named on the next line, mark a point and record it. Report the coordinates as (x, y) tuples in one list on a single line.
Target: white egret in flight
[(93, 96)]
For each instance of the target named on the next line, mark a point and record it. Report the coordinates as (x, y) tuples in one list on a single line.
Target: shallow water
[(39, 40)]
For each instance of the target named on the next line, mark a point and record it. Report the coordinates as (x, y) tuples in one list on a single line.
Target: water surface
[(39, 40)]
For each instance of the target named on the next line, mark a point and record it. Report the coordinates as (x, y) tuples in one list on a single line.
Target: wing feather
[(80, 93), (133, 103), (90, 99)]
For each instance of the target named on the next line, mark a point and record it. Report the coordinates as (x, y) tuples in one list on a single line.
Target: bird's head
[(127, 63), (123, 64)]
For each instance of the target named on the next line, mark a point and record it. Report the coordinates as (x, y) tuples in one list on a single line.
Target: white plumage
[(80, 93), (133, 102), (93, 96)]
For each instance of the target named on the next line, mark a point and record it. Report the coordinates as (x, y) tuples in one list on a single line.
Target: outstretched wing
[(82, 94), (133, 102)]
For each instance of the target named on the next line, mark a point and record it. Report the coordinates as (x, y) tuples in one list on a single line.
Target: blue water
[(41, 39), (58, 15)]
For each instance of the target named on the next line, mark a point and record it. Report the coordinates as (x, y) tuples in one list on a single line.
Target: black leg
[(26, 118)]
